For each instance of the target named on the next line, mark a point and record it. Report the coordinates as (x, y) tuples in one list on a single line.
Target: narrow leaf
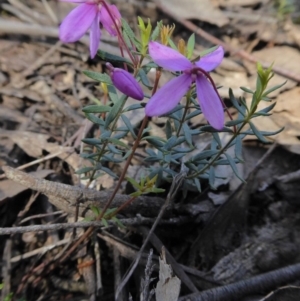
[(113, 113), (107, 57), (128, 125), (234, 168), (99, 77), (258, 134), (96, 109)]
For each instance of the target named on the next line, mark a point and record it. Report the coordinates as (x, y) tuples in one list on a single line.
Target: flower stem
[(101, 153), (135, 145), (222, 151), (119, 33), (184, 113)]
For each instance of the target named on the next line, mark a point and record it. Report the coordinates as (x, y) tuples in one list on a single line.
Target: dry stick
[(28, 11), (241, 53), (178, 270), (89, 231), (176, 183), (41, 60), (6, 268), (126, 221), (38, 161), (136, 221), (41, 250), (64, 197), (128, 251), (15, 27), (235, 291), (98, 267), (50, 12)]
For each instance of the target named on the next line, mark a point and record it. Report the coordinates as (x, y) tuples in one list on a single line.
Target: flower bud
[(125, 82)]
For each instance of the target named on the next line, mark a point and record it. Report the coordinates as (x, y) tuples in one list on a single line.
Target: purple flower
[(86, 16), (125, 82), (170, 94)]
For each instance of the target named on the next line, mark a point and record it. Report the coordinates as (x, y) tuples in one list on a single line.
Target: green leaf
[(107, 57), (170, 143), (92, 141), (257, 133), (212, 178), (96, 109), (207, 51), (238, 147), (94, 119), (127, 39), (234, 122), (187, 134), (109, 172), (118, 222), (273, 89), (113, 113), (168, 129), (136, 194), (99, 77), (134, 106), (95, 210), (144, 78), (128, 153), (204, 155), (197, 184), (118, 142), (182, 149), (134, 183), (217, 139), (235, 103), (104, 222), (145, 32), (264, 133), (84, 170), (156, 31), (247, 90), (112, 93), (131, 35), (233, 167), (190, 46), (193, 114), (155, 141), (128, 125), (210, 129), (114, 150), (172, 44)]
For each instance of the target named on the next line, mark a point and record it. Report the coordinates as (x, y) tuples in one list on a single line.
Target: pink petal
[(106, 20), (212, 60), (168, 58), (126, 83), (75, 1), (210, 102), (168, 96), (77, 22), (95, 35)]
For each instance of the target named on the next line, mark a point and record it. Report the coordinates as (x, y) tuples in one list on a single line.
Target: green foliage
[(167, 155), (145, 32), (8, 297), (284, 8)]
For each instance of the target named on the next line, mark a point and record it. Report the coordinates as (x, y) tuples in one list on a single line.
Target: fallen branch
[(65, 197), (235, 291)]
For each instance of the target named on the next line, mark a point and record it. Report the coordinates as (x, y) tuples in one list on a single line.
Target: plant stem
[(184, 113), (119, 33), (135, 145), (123, 99), (224, 148)]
